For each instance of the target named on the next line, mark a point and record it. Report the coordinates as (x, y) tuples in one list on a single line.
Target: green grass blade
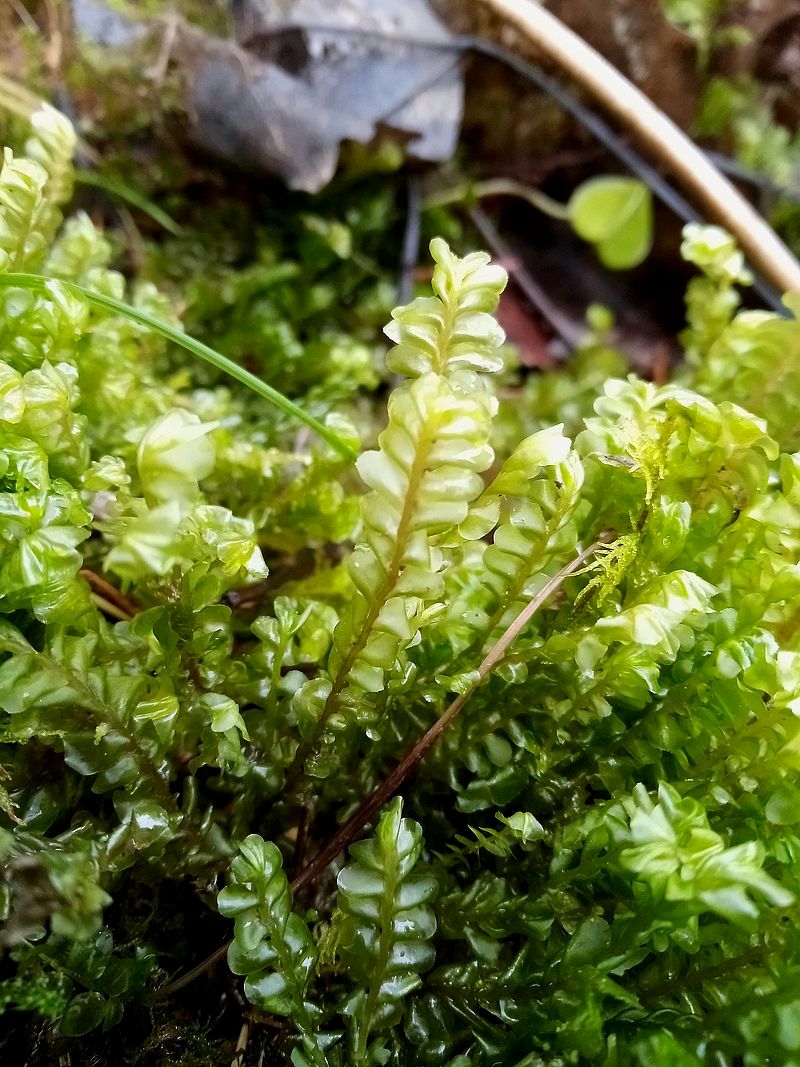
[(129, 196), (40, 284)]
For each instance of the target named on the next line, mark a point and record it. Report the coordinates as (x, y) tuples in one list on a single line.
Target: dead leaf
[(301, 76), (305, 75)]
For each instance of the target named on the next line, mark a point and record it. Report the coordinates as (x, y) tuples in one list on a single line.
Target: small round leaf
[(616, 216), (83, 1014)]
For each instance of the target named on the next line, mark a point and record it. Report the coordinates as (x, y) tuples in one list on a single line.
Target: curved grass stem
[(38, 283)]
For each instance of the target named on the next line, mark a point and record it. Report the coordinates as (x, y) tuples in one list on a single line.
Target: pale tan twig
[(241, 1045)]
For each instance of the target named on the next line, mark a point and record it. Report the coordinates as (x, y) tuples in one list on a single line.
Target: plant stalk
[(348, 833)]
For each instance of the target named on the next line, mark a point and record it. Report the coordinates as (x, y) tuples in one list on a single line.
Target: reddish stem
[(348, 832)]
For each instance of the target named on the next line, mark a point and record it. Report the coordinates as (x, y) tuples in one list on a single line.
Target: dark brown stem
[(347, 833), (195, 972), (564, 327), (110, 593)]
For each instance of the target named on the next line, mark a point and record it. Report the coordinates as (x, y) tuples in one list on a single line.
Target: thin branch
[(110, 594), (25, 17), (109, 609), (470, 192), (54, 49), (195, 972), (348, 833), (569, 331), (158, 72), (241, 1045)]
